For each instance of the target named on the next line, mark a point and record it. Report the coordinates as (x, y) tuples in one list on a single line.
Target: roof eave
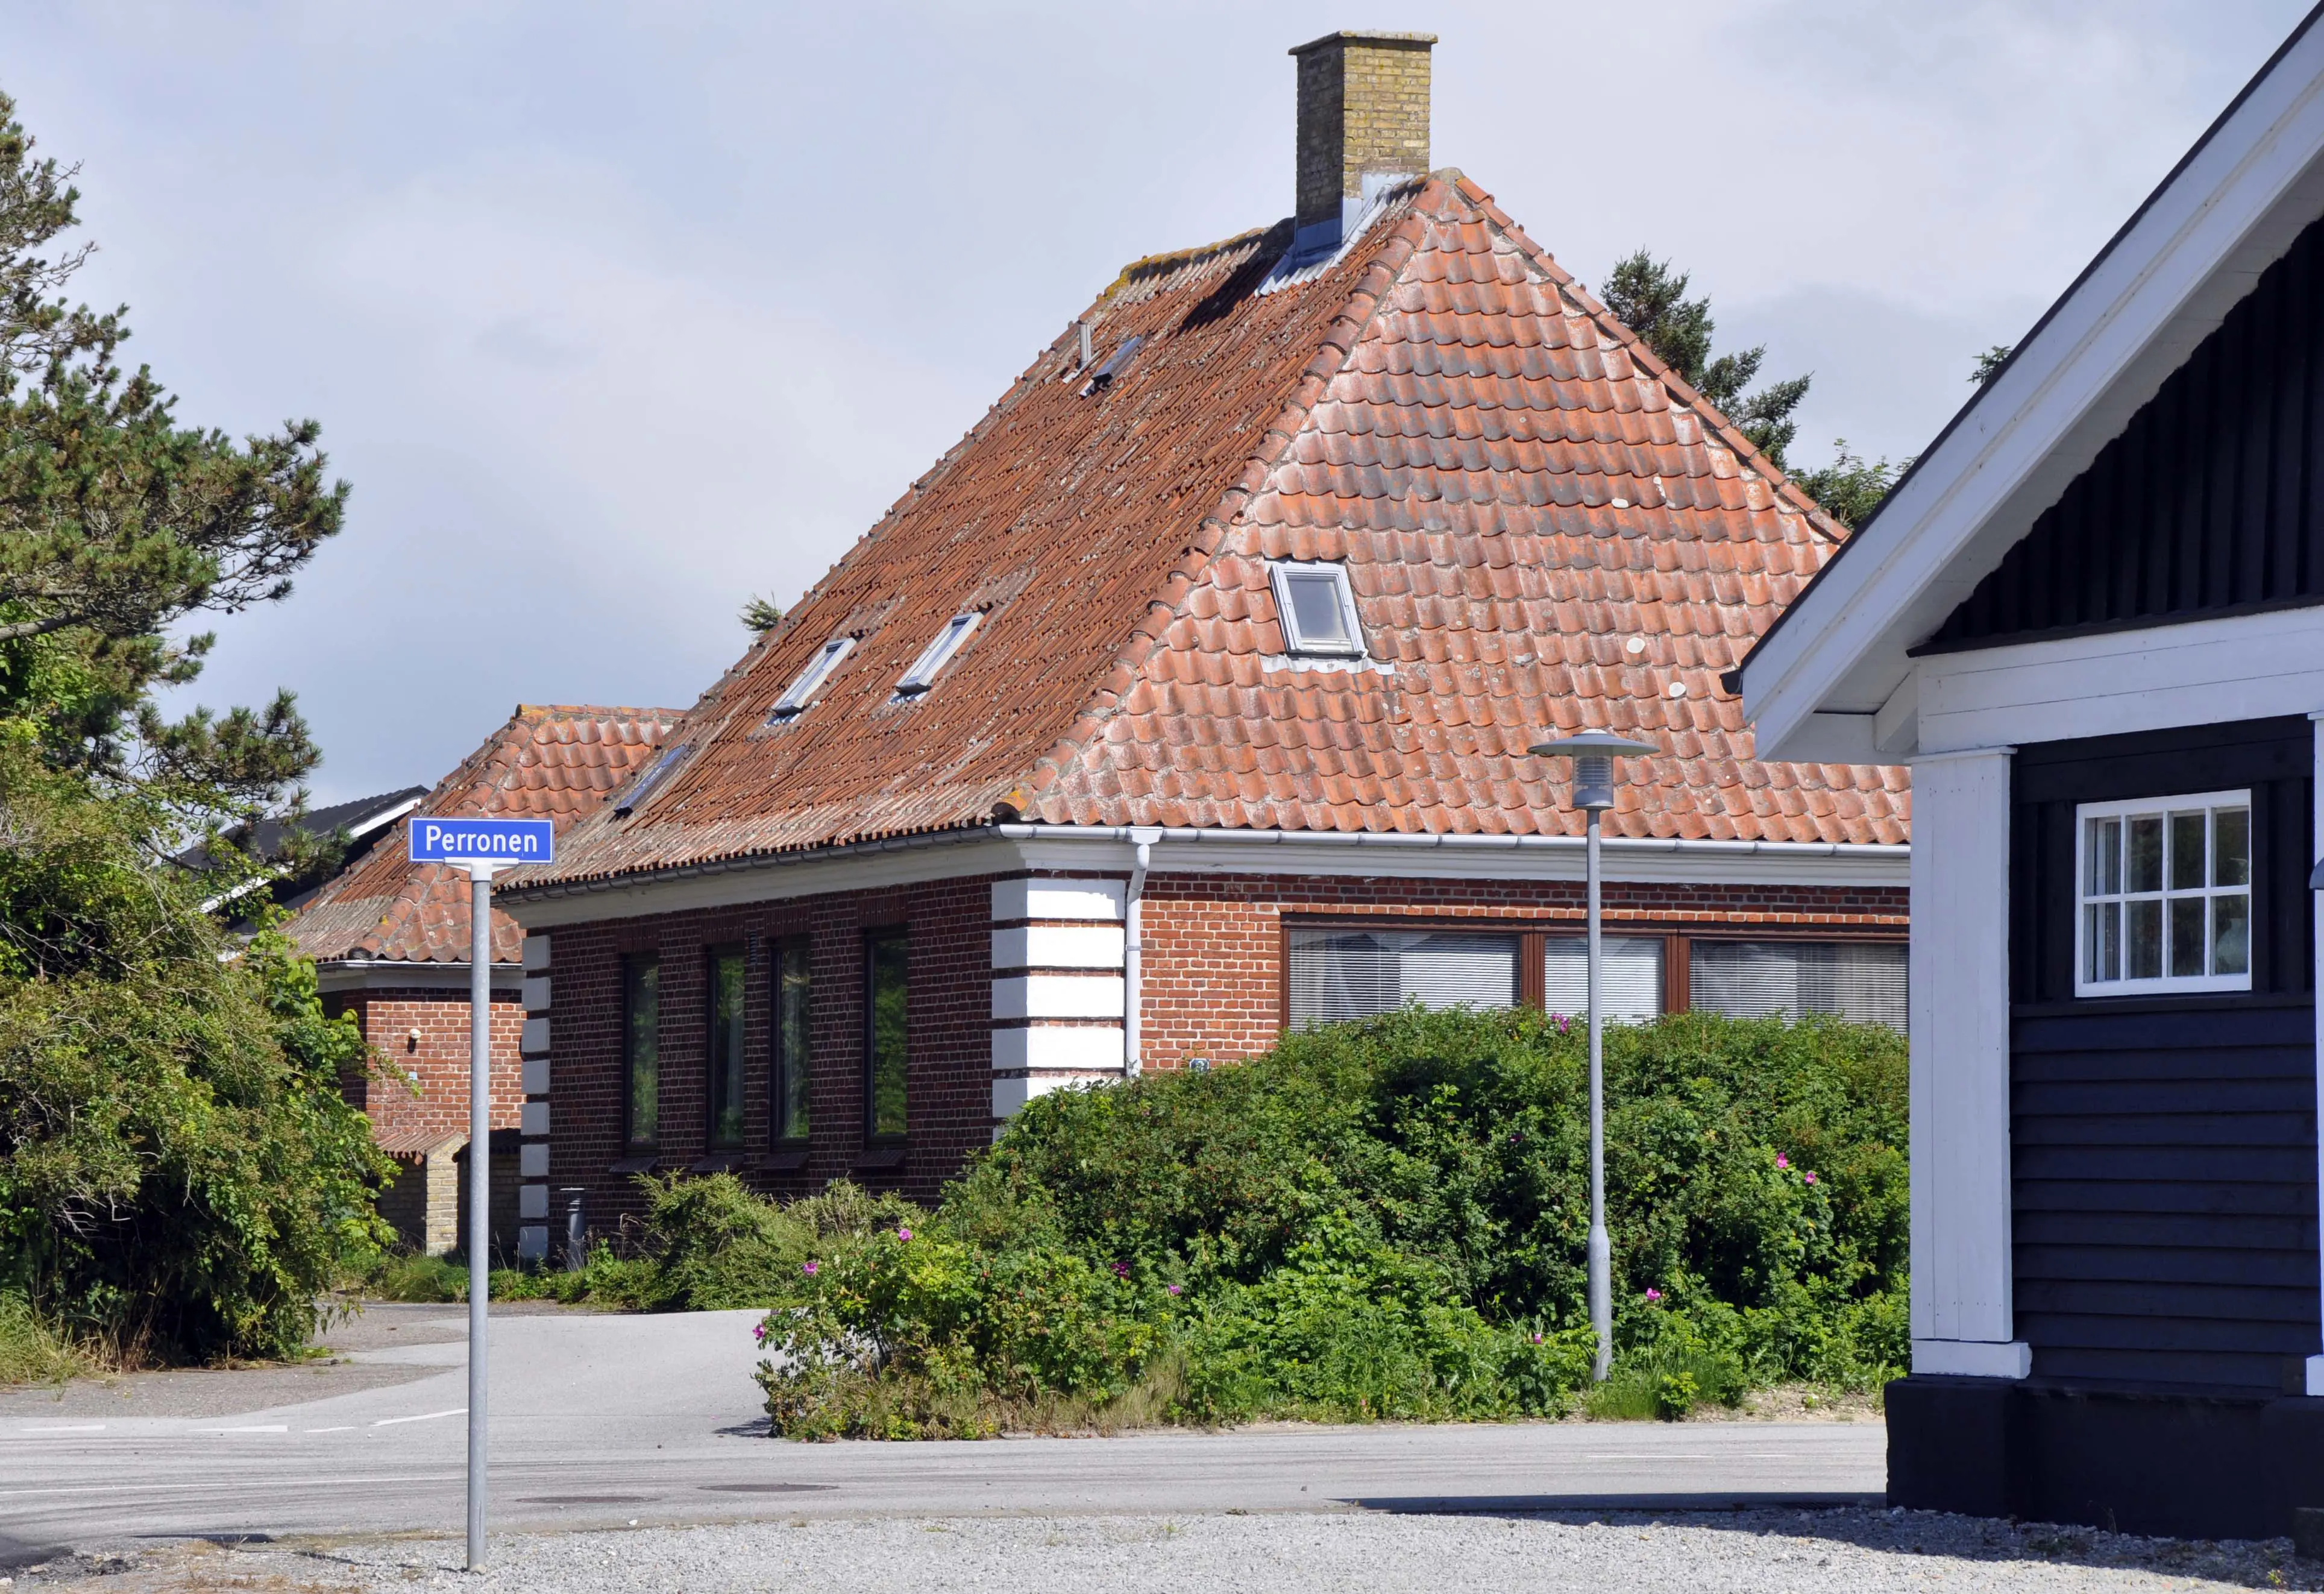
[(2229, 209)]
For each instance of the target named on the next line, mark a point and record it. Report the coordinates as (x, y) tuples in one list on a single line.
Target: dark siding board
[(2046, 1235), (2207, 502), (2162, 1152), (2193, 1267)]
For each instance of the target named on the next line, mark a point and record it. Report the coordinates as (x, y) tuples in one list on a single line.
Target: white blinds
[(1337, 975), (1629, 966), (1860, 980)]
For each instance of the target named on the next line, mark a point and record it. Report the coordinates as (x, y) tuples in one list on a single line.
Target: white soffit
[(2233, 207)]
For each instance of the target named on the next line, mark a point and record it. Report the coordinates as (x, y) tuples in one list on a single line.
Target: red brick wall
[(950, 1089), (438, 1064), (1212, 981), (1214, 973)]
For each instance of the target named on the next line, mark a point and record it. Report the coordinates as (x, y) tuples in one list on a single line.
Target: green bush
[(1386, 1218), (32, 1351), (179, 1173)]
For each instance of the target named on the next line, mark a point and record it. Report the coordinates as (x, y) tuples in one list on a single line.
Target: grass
[(31, 1352)]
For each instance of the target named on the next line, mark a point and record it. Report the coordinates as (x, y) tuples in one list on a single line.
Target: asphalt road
[(614, 1420)]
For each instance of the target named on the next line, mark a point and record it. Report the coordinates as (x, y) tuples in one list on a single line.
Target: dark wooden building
[(2090, 619)]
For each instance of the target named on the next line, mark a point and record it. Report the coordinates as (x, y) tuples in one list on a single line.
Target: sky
[(615, 316)]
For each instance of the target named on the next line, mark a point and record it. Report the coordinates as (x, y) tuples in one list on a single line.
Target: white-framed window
[(2163, 894), (801, 691), (1318, 608), (932, 658)]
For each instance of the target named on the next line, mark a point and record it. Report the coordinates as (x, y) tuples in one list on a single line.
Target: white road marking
[(261, 1428), (423, 1417), (73, 1428), (342, 1428)]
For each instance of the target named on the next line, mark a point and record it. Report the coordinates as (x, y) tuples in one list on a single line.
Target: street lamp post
[(1594, 753)]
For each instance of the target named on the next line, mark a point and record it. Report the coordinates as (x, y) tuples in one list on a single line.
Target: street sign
[(482, 847), (484, 841)]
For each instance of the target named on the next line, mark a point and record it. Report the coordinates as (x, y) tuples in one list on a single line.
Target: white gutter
[(1142, 836)]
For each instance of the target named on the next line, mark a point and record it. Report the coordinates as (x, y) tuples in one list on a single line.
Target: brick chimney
[(1363, 123)]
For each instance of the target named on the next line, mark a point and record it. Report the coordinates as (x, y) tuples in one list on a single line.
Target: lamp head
[(1594, 753)]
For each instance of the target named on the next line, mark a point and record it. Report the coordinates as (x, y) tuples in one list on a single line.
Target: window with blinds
[(1338, 975), (1630, 971), (1859, 980)]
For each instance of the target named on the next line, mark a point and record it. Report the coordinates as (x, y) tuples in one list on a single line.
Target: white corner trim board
[(1958, 979), (1973, 1358), (2201, 672)]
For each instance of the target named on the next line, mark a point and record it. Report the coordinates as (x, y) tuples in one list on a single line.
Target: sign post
[(484, 847)]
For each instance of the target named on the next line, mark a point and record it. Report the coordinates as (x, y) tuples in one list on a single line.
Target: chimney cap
[(1364, 36)]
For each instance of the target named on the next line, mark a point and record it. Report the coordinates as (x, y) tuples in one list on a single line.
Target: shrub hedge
[(1380, 1219)]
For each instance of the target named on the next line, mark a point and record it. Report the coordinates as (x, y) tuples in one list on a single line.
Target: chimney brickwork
[(1363, 111)]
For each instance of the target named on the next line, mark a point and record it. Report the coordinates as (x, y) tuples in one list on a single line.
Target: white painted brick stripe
[(536, 1075), (532, 1160), (536, 1036), (1067, 1046), (532, 1119), (532, 1244), (1080, 900), (1057, 995), (536, 953), (536, 993), (532, 1201), (1058, 946)]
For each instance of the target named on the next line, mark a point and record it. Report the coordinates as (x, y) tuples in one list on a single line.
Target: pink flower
[(1653, 1294), (759, 1333), (903, 1234), (1782, 1160), (1122, 1270), (1536, 1339), (1175, 1290), (1811, 1179), (808, 1268)]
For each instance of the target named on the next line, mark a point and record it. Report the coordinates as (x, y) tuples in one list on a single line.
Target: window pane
[(2102, 845), (2143, 943), (887, 1037), (1315, 609), (2231, 846), (793, 992), (2145, 853), (1630, 966), (1860, 980), (2102, 942), (641, 1049), (725, 1050), (2187, 935), (1339, 975), (2187, 851), (2231, 934)]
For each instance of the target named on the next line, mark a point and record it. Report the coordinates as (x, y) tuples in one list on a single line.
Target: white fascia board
[(386, 816), (356, 974), (1370, 855), (2165, 285), (2155, 678)]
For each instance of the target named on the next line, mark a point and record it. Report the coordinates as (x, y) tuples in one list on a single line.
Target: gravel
[(1602, 1553)]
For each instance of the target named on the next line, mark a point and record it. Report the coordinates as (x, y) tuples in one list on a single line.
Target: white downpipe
[(1133, 953)]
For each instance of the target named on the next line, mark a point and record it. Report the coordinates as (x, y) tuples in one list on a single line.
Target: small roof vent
[(1103, 377)]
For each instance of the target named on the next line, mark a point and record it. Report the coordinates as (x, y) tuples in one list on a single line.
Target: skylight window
[(1317, 610), (1103, 377), (646, 784), (932, 658), (802, 693)]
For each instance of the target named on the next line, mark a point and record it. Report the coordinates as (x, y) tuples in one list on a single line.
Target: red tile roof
[(1518, 490), (548, 762)]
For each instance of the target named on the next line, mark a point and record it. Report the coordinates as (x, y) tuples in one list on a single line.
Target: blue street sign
[(496, 841)]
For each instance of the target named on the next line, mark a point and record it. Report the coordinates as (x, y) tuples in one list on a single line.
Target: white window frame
[(2164, 807), (1279, 575), (799, 697), (934, 657)]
